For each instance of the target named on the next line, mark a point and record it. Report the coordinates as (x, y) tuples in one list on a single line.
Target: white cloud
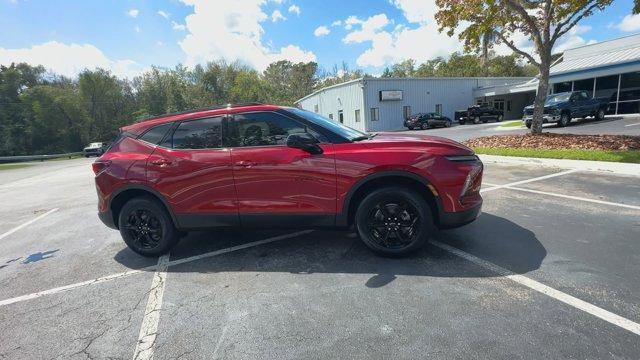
[(69, 59), (421, 43), (164, 14), (417, 11), (295, 9), (321, 31), (133, 13), (178, 27), (630, 23), (336, 23), (276, 16), (231, 30)]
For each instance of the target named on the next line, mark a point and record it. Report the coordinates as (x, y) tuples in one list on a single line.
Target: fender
[(342, 218), (149, 190)]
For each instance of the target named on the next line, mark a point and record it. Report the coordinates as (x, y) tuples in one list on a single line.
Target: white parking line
[(149, 328), (632, 124), (578, 198), (148, 268), (544, 289), (496, 187), (27, 223)]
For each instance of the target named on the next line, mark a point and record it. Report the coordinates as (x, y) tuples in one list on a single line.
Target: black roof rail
[(215, 107)]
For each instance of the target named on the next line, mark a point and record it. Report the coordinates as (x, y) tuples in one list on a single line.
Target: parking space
[(550, 268)]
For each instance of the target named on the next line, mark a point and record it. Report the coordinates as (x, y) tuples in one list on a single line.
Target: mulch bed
[(558, 141)]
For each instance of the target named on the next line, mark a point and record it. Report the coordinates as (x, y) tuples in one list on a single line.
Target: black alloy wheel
[(146, 227), (394, 221)]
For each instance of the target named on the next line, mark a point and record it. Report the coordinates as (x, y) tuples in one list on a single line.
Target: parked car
[(425, 121), (560, 108), (481, 113), (95, 149), (269, 166)]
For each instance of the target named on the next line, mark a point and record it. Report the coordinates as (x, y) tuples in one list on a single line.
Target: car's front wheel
[(425, 126), (565, 119), (394, 221), (146, 227), (476, 120)]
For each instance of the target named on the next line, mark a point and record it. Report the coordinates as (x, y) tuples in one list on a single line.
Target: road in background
[(613, 125)]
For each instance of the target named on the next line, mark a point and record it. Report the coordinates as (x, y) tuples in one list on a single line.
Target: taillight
[(100, 165)]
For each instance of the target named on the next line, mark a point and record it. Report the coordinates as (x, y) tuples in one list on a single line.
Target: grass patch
[(512, 124), (13, 166), (624, 156)]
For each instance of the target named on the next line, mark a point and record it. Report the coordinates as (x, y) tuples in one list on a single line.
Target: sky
[(129, 36)]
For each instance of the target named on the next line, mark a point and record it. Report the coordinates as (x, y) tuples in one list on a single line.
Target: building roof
[(607, 53)]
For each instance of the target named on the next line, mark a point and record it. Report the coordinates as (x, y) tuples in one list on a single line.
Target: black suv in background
[(481, 113), (425, 121)]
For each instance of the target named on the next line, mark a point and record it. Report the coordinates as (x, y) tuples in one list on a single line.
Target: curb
[(585, 165)]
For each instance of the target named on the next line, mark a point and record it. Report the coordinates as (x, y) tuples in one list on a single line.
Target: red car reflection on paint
[(265, 166)]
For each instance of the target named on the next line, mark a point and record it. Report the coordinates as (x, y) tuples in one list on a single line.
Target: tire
[(476, 120), (600, 114), (447, 124), (528, 124), (499, 118), (388, 235), (146, 227), (565, 119), (424, 126), (410, 127), (461, 122)]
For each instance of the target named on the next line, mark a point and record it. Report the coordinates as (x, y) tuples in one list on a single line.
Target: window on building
[(406, 112), (357, 115), (315, 108), (375, 114), (508, 105), (198, 134), (156, 134), (607, 88), (630, 86), (584, 85), (562, 87), (331, 116), (264, 129), (479, 101), (498, 104), (629, 107), (439, 109), (340, 117)]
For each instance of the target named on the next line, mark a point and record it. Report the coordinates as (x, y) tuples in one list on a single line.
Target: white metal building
[(609, 69), (378, 104)]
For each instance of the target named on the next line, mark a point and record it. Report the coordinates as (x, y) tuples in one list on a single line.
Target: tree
[(542, 21)]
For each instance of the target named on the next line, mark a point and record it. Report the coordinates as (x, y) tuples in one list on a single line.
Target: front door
[(192, 170), (278, 185)]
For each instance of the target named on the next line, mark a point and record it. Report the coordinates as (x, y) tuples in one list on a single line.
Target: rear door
[(192, 169), (278, 185)]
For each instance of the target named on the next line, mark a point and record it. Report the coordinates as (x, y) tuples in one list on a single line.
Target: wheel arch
[(388, 178), (126, 193)]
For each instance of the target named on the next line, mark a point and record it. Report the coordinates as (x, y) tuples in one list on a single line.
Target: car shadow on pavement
[(490, 237)]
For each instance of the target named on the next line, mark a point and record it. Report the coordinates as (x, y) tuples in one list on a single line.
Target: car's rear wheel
[(146, 227), (447, 124), (600, 114), (425, 126), (499, 119), (410, 127), (476, 120), (394, 221)]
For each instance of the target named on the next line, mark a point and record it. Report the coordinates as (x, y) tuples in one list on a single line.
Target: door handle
[(161, 162), (245, 163)]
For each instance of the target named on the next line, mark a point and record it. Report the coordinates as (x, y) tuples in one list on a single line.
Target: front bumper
[(450, 220), (546, 118), (107, 219)]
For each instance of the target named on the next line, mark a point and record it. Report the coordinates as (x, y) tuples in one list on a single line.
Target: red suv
[(269, 166)]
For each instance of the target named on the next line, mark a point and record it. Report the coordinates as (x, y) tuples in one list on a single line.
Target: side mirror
[(304, 141)]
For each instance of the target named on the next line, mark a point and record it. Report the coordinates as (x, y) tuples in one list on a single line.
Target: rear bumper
[(450, 220), (107, 219)]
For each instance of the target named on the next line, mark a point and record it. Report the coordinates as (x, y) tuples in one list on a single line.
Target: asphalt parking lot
[(549, 270), (611, 125)]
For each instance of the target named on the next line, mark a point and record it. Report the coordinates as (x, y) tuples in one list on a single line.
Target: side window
[(264, 129), (198, 134), (156, 134)]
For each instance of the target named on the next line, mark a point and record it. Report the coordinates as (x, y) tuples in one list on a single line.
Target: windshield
[(336, 127), (556, 98), (95, 144)]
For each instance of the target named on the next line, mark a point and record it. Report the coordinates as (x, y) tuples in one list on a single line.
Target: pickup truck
[(560, 108), (484, 113)]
